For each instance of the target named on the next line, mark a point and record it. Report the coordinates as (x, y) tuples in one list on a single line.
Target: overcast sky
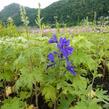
[(29, 3)]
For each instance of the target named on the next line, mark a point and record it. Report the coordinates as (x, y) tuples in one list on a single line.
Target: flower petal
[(53, 39), (70, 68), (64, 47), (51, 57)]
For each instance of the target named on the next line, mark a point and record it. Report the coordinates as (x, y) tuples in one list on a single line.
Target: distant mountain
[(66, 11), (73, 11), (13, 11)]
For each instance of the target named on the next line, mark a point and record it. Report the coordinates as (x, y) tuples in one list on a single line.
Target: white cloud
[(29, 3)]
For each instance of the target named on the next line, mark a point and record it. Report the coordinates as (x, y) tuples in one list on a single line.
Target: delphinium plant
[(24, 18), (57, 71), (11, 29), (39, 20), (63, 53), (57, 24)]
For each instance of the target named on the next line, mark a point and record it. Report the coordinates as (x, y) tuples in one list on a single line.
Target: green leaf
[(24, 95), (49, 92), (65, 101), (80, 83), (25, 80), (38, 75), (87, 104), (8, 76), (102, 96), (12, 103), (80, 57)]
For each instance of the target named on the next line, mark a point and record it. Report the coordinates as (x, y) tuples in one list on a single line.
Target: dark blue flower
[(53, 39), (64, 47), (70, 68), (51, 57), (64, 51)]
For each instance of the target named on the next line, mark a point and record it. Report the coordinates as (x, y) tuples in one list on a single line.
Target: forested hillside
[(68, 11), (13, 11)]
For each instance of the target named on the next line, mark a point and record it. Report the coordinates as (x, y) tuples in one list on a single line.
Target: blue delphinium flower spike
[(64, 51)]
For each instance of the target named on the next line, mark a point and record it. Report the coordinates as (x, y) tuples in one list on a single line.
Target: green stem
[(55, 105), (36, 95)]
